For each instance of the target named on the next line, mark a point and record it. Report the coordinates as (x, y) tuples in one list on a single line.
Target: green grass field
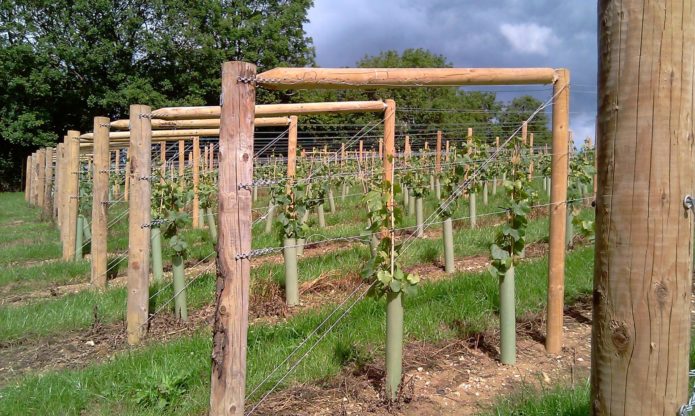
[(134, 380)]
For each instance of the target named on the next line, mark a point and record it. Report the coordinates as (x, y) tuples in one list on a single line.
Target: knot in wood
[(620, 336)]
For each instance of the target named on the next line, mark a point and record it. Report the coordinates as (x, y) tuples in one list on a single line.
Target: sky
[(471, 34)]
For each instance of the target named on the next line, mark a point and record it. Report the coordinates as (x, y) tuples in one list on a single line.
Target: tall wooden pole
[(58, 195), (558, 213), (117, 172), (531, 152), (27, 183), (48, 185), (196, 180), (438, 156), (35, 178), (40, 177), (643, 264), (230, 328), (100, 197), (139, 219), (291, 151), (71, 192), (162, 161), (182, 156)]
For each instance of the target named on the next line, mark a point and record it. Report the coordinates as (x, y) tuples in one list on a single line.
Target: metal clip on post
[(689, 203)]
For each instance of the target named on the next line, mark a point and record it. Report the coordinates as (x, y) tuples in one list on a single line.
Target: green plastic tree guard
[(157, 268), (289, 253), (180, 308), (507, 318), (394, 343)]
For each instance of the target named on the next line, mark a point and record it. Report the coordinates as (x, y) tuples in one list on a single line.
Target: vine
[(510, 240)]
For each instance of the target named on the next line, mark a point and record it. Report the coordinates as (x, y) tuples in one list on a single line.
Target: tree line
[(64, 61)]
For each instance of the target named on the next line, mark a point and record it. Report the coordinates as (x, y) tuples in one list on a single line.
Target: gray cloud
[(473, 33)]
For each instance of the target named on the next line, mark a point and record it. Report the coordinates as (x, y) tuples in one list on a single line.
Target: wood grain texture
[(139, 218), (183, 113), (100, 195), (643, 265), (342, 78), (40, 188), (558, 213), (196, 180), (70, 192), (230, 327), (48, 184)]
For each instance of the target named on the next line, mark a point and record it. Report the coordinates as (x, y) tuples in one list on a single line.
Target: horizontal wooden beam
[(187, 113), (344, 78), (209, 123)]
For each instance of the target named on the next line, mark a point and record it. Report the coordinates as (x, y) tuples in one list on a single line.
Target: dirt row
[(77, 349)]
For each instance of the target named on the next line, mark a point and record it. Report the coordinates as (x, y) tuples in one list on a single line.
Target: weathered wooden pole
[(182, 156), (558, 213), (71, 192), (196, 180), (48, 185), (531, 152), (139, 219), (230, 328), (643, 264), (32, 177), (438, 166), (40, 178), (100, 197), (27, 183), (58, 194), (116, 172), (162, 161), (524, 133)]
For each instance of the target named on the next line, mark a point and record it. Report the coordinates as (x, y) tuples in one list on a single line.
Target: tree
[(421, 109), (64, 61), (518, 111)]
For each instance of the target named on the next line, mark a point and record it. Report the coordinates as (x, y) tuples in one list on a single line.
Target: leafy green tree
[(64, 61), (422, 109), (519, 110)]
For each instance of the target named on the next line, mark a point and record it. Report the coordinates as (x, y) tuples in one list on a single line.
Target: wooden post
[(212, 158), (205, 159), (35, 178), (57, 195), (71, 192), (182, 156), (342, 154), (558, 213), (531, 152), (407, 147), (446, 154), (438, 156), (30, 179), (524, 133), (126, 190), (162, 161), (360, 157), (230, 329), (381, 148), (40, 177), (196, 180), (643, 265), (292, 152), (48, 187), (139, 219), (100, 197), (117, 172), (27, 184)]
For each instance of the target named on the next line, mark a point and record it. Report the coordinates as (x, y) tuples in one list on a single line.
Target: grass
[(76, 311), (440, 310)]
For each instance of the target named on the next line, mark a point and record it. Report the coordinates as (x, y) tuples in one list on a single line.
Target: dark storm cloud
[(475, 33)]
